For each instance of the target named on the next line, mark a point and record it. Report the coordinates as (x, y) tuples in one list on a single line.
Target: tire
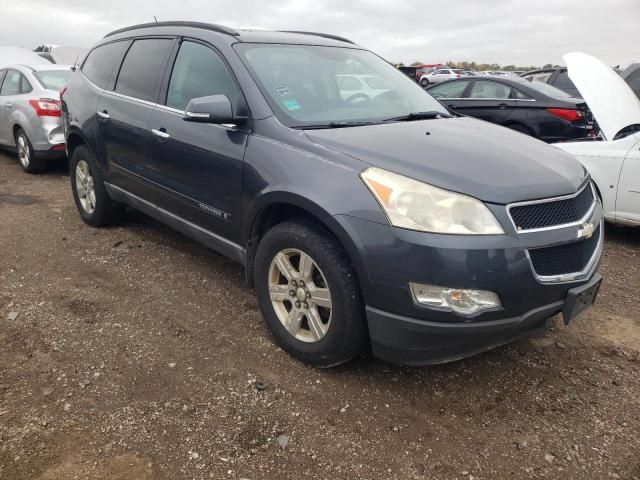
[(343, 334), (518, 127), (92, 200), (26, 155), (424, 82)]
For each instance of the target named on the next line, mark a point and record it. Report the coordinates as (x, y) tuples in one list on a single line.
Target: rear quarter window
[(101, 61)]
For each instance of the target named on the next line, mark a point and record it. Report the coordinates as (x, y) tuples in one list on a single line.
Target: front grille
[(566, 258), (552, 213)]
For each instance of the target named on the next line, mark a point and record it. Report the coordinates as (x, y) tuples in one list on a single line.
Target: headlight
[(415, 205)]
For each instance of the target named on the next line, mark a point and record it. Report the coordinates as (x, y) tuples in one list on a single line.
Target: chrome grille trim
[(575, 276), (555, 199)]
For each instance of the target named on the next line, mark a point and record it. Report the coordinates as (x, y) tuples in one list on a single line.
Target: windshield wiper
[(428, 115), (335, 125)]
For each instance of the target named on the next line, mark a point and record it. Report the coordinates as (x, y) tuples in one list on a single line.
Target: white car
[(358, 88), (440, 75), (614, 159)]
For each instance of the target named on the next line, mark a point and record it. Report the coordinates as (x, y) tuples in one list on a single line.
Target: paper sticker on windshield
[(291, 104), (284, 91)]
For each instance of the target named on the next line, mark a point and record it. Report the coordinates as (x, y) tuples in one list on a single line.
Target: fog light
[(462, 302)]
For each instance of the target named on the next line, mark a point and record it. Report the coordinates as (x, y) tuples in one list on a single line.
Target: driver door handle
[(161, 134)]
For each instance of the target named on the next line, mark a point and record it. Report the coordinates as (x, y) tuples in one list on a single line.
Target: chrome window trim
[(116, 94), (555, 199), (575, 276), (151, 104)]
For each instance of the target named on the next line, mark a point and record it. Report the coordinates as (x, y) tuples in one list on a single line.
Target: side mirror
[(214, 109)]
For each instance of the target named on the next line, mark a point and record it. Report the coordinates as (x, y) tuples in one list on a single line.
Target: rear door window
[(520, 95), (141, 68), (199, 72), (491, 90), (11, 84), (101, 62)]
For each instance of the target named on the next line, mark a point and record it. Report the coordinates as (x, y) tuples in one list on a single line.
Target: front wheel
[(309, 295), (424, 82)]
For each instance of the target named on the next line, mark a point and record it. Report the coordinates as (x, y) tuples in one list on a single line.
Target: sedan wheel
[(85, 187), (300, 295), (23, 151)]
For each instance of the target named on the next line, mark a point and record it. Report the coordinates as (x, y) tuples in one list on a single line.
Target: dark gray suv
[(367, 217)]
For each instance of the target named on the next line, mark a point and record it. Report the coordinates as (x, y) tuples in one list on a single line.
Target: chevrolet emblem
[(586, 230)]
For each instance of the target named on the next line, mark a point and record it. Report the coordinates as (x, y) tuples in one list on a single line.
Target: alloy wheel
[(85, 188), (300, 295), (23, 151)]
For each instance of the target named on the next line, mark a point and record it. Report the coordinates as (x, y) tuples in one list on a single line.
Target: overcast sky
[(522, 32)]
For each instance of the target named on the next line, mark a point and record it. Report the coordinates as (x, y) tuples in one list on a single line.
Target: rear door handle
[(103, 115), (502, 106), (161, 134)]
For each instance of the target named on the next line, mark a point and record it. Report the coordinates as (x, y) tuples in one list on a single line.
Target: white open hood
[(612, 102)]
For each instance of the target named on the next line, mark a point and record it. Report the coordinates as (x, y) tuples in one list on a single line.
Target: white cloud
[(505, 31)]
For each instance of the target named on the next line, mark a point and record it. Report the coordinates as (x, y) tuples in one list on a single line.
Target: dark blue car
[(362, 221)]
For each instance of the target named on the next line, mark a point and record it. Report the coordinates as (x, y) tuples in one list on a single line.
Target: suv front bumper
[(410, 341), (387, 258)]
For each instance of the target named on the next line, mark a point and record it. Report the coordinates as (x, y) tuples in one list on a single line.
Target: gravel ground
[(135, 353)]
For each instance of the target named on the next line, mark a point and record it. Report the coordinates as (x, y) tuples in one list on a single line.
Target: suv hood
[(464, 155), (612, 102)]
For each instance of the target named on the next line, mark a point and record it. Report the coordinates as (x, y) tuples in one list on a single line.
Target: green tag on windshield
[(291, 104)]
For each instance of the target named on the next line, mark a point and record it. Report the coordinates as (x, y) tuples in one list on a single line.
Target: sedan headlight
[(411, 204)]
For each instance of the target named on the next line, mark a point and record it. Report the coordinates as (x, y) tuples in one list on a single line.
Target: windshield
[(306, 85), (53, 79)]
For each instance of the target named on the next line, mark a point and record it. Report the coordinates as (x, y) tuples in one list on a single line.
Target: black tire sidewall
[(346, 334)]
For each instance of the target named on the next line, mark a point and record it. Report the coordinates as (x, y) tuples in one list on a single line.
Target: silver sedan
[(30, 120)]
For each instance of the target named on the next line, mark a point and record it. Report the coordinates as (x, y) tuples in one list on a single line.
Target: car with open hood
[(383, 222), (613, 157)]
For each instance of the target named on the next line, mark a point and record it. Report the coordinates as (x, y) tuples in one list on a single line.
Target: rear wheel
[(309, 295), (92, 200), (28, 160)]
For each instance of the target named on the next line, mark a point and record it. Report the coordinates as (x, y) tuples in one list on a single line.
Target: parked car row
[(533, 108), (30, 112), (365, 212)]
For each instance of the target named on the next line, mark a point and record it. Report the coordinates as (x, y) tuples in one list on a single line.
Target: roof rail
[(205, 26), (324, 35)]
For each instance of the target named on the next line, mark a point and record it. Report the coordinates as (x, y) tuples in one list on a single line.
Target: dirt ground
[(135, 353)]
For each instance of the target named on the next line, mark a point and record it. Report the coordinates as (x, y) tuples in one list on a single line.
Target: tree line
[(490, 66)]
